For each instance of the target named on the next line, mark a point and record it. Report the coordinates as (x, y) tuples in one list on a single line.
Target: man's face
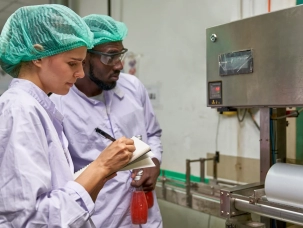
[(107, 75)]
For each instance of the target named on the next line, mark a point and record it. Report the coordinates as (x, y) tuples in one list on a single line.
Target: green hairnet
[(105, 28), (34, 32)]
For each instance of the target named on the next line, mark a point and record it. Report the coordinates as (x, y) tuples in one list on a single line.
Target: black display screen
[(215, 93), (232, 63), (215, 90)]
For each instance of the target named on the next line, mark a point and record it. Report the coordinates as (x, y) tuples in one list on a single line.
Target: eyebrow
[(77, 59)]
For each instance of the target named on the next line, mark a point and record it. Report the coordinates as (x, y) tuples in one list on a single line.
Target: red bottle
[(150, 199), (138, 207), (149, 195)]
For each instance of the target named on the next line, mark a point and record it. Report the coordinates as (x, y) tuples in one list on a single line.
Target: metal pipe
[(205, 159), (196, 160), (163, 185), (109, 6), (270, 212), (215, 169), (202, 170), (265, 157), (187, 184)]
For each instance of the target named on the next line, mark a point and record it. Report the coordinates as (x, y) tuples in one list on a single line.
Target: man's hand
[(149, 178)]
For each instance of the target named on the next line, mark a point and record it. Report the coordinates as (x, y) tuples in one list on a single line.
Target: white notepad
[(141, 158)]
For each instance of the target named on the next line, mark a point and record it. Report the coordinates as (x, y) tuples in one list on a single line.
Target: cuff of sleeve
[(83, 195), (153, 155)]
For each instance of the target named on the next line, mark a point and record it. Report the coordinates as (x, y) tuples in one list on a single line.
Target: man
[(118, 104)]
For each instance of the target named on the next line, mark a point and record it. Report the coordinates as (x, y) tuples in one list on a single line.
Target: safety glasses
[(110, 59)]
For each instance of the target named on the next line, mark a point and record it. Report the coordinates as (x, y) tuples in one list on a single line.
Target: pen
[(104, 134)]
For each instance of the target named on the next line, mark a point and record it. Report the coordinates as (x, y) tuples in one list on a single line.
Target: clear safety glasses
[(110, 59)]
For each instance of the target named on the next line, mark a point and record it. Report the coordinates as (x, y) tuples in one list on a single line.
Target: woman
[(44, 47)]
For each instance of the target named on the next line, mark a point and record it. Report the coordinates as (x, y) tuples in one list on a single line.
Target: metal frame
[(202, 161), (251, 198)]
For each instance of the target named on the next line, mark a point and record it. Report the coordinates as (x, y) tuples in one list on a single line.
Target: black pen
[(104, 134)]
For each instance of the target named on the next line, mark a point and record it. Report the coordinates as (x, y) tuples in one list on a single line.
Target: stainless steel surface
[(265, 156), (277, 79), (270, 211), (205, 198), (228, 195), (205, 203), (251, 198), (258, 194), (225, 204), (280, 145), (246, 189)]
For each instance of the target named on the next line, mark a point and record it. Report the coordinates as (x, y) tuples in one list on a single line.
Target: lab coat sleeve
[(153, 129), (27, 198)]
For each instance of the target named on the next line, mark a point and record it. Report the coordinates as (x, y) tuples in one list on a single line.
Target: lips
[(114, 77)]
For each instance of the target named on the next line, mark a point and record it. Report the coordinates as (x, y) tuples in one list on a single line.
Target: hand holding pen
[(106, 135), (127, 143), (113, 158)]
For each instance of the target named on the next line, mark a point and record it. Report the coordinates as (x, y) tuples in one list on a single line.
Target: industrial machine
[(251, 63), (258, 62)]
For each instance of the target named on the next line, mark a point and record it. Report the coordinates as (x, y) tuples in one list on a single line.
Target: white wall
[(256, 7), (5, 79), (85, 7), (171, 37)]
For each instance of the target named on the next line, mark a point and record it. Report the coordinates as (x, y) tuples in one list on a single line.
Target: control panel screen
[(215, 93), (215, 90), (240, 62)]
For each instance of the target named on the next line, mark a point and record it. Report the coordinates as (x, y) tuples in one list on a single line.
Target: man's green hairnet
[(35, 32), (105, 28)]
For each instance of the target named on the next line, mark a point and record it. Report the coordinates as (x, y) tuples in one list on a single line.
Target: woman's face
[(58, 73)]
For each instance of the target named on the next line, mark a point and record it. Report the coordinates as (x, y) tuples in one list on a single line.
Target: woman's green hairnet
[(105, 28), (35, 32)]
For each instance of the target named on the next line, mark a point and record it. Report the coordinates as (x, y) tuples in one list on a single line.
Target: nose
[(118, 65), (80, 72)]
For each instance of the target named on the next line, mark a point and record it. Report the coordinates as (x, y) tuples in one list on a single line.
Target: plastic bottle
[(138, 207), (149, 195), (150, 199)]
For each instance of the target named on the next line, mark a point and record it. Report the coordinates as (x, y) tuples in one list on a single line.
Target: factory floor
[(175, 216)]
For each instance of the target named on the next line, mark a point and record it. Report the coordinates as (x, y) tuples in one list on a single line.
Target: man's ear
[(37, 62)]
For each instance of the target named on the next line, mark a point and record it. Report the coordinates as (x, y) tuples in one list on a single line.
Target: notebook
[(141, 158)]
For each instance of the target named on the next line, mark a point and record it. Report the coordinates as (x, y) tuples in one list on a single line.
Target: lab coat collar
[(117, 91), (39, 95)]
